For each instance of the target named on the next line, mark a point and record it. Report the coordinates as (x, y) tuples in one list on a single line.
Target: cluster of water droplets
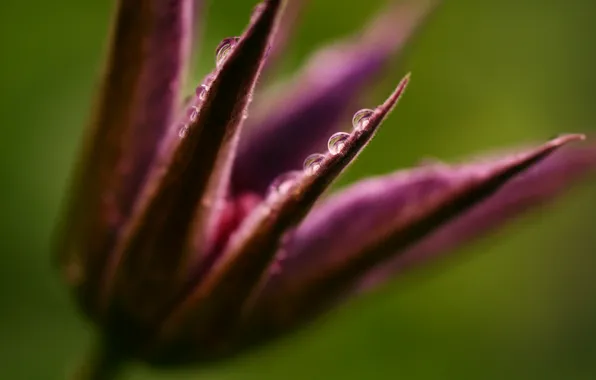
[(191, 117), (223, 51), (312, 164), (183, 131), (337, 142)]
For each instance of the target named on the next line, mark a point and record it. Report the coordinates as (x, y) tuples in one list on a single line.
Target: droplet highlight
[(283, 183), (202, 91), (361, 119), (224, 49), (193, 113), (183, 131), (337, 142), (312, 164)]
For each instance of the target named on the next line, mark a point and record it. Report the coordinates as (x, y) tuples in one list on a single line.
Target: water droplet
[(202, 91), (183, 131), (224, 49), (337, 142), (284, 182), (313, 163), (193, 112), (361, 119)]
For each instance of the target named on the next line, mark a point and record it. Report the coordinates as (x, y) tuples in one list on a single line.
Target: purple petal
[(356, 230), (139, 95), (287, 25), (218, 299), (287, 128), (187, 185), (531, 189)]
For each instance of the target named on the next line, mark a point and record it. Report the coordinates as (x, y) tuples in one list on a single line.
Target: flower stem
[(104, 363)]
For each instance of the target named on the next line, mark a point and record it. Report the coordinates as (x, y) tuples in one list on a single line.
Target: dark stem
[(105, 362)]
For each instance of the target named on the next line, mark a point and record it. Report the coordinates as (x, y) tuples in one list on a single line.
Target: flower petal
[(533, 188), (139, 96), (150, 266), (287, 26), (288, 127), (214, 305), (356, 230)]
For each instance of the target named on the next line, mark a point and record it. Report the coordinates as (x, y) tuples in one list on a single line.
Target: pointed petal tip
[(320, 96), (198, 161), (424, 200), (535, 189), (396, 22), (362, 136), (401, 86), (559, 141), (268, 11), (334, 163), (397, 93), (253, 245), (567, 138)]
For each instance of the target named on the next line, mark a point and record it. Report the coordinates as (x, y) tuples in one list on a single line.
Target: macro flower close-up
[(203, 224)]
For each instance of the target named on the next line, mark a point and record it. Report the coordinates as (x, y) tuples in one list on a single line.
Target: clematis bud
[(193, 232)]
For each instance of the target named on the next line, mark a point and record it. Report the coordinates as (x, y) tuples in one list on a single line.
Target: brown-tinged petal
[(150, 266), (212, 308), (531, 189), (149, 46), (297, 119), (354, 231)]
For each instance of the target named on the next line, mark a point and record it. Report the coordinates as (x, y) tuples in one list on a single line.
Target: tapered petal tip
[(396, 22), (551, 146), (357, 230), (320, 96), (536, 188), (183, 197), (397, 94), (567, 138)]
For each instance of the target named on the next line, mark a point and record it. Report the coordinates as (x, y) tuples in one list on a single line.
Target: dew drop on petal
[(313, 163), (337, 142), (224, 49), (193, 113), (183, 131), (361, 118), (284, 182), (202, 91)]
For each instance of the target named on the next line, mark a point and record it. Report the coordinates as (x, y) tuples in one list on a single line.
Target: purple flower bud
[(190, 238)]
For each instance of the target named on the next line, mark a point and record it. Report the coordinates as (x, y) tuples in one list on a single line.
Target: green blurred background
[(519, 304)]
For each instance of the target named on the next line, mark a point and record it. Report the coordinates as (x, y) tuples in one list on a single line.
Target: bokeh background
[(519, 304)]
